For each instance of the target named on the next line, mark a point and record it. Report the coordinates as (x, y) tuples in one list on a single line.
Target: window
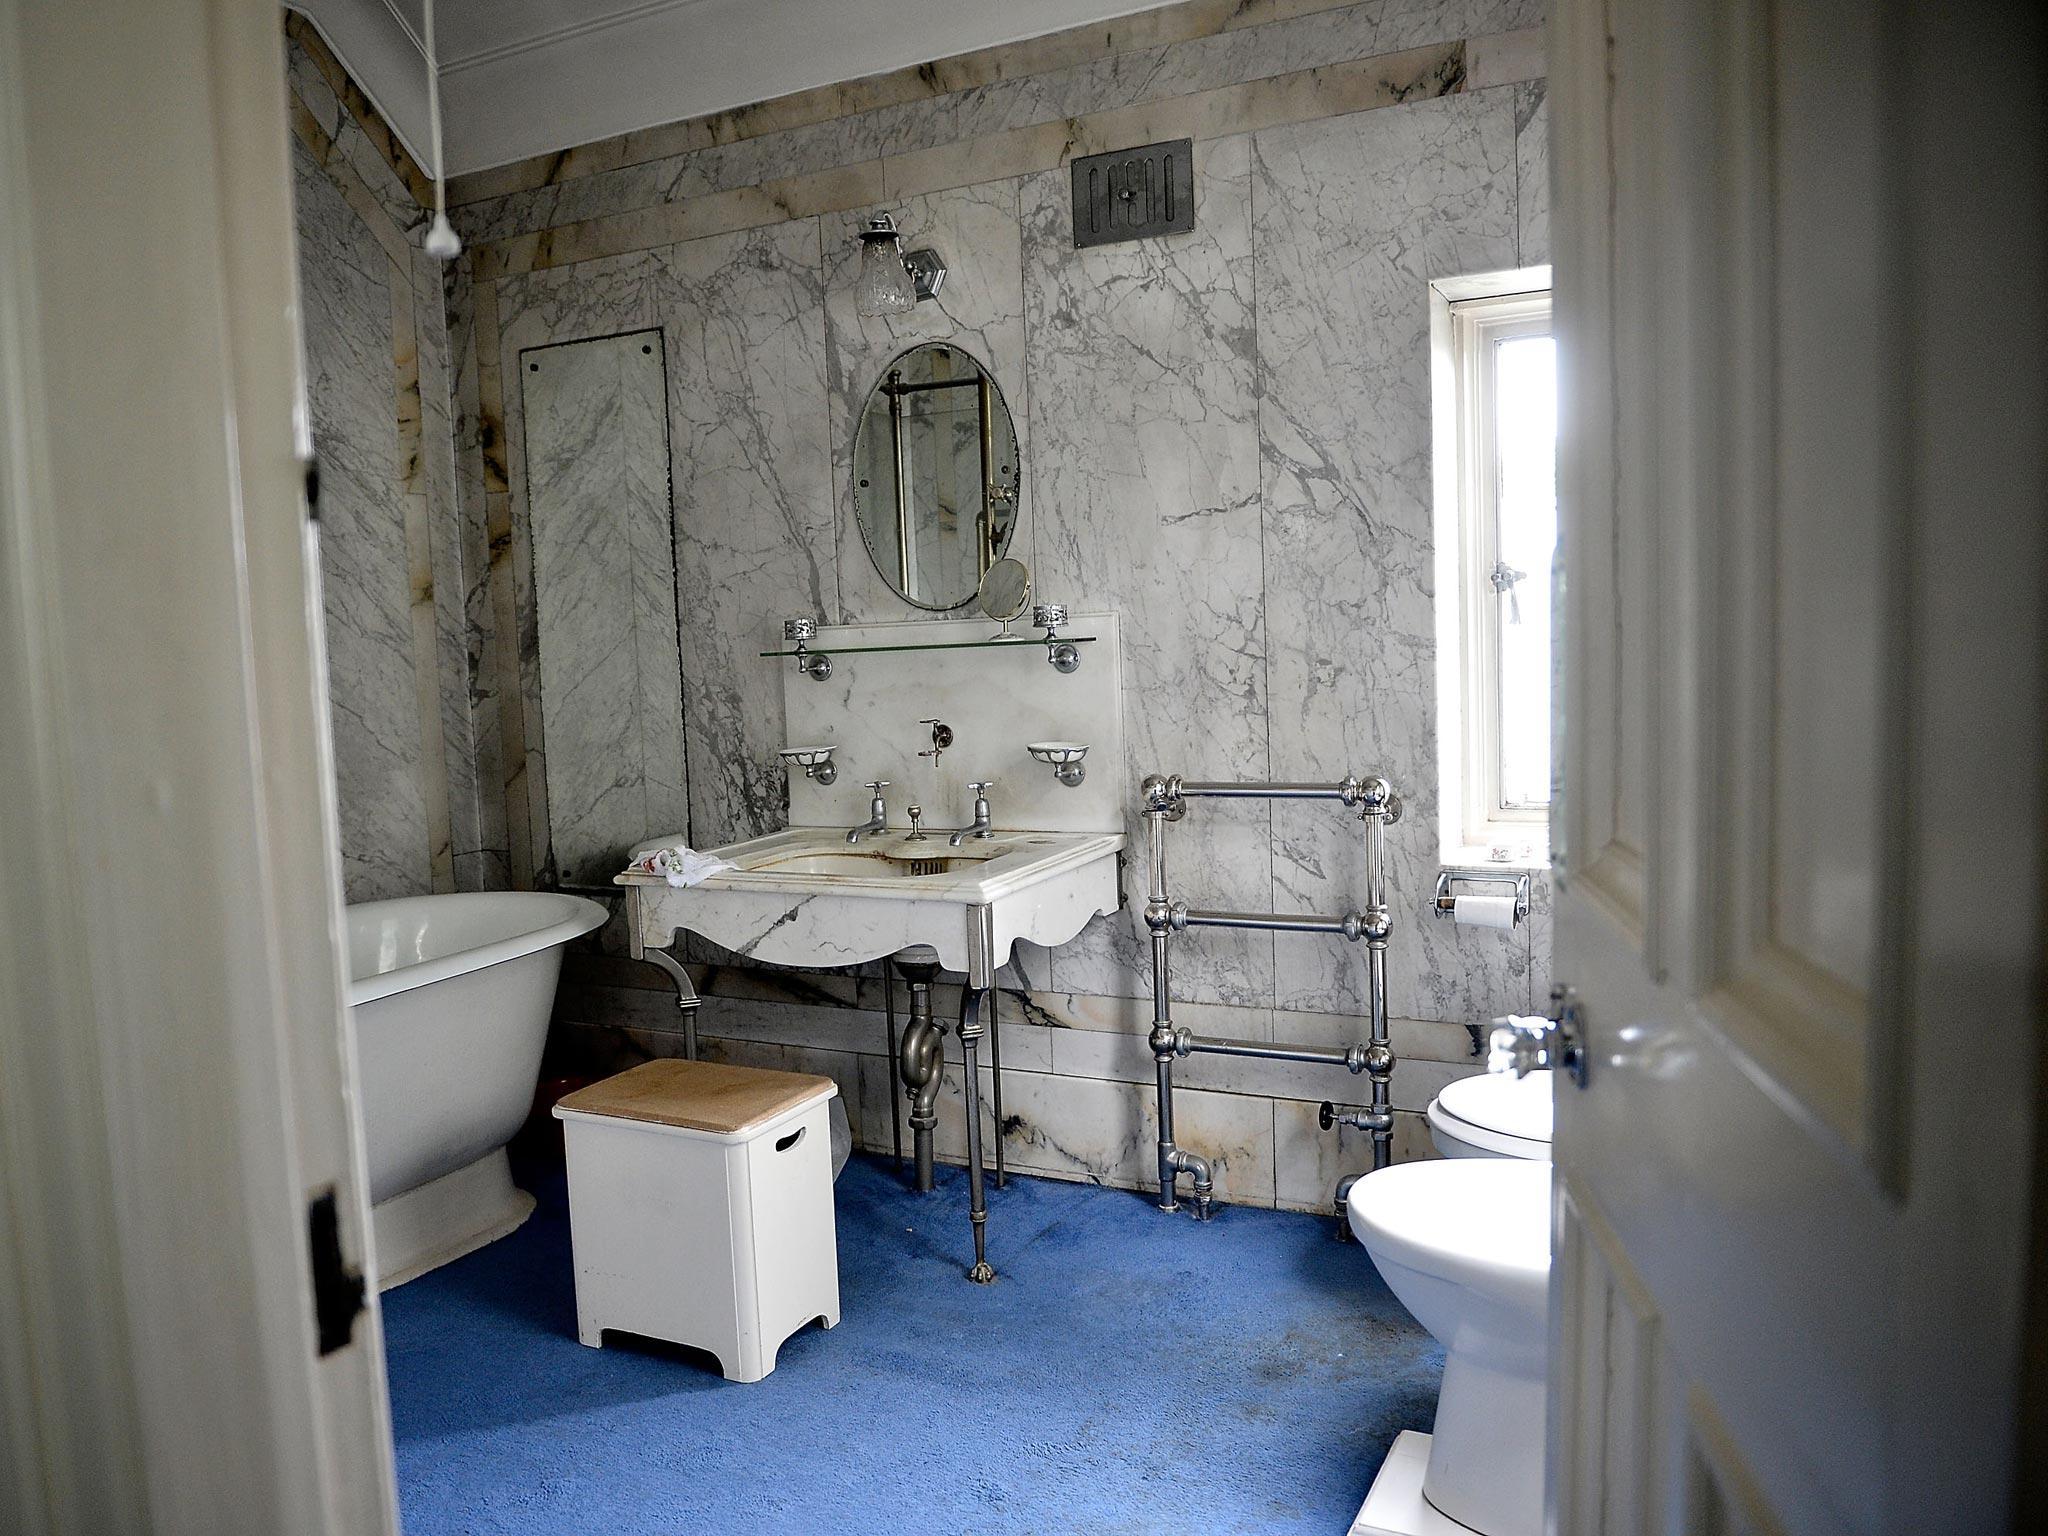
[(1496, 478)]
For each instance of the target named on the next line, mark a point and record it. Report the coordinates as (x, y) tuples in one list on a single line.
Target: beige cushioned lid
[(698, 1095)]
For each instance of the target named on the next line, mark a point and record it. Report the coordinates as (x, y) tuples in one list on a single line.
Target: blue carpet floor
[(1129, 1372)]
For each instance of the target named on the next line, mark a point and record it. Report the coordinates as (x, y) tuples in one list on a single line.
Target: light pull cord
[(442, 243)]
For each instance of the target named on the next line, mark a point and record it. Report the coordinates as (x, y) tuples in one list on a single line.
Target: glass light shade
[(884, 286)]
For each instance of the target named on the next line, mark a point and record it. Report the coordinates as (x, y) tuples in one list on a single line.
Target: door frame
[(176, 1079)]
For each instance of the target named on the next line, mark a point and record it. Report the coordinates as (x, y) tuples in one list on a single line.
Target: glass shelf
[(991, 643)]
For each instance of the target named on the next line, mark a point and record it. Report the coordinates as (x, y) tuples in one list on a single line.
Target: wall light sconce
[(890, 282)]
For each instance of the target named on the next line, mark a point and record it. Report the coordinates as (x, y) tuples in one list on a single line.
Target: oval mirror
[(1005, 589), (935, 475)]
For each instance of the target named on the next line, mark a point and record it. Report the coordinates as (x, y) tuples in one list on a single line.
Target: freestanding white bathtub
[(450, 997)]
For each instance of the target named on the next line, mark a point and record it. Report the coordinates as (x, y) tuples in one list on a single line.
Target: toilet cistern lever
[(981, 823), (878, 812), (1522, 1045)]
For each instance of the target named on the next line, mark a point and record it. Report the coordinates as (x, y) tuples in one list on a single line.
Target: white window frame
[(1467, 317)]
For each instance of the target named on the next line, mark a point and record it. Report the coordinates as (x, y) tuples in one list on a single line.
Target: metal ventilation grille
[(1129, 194)]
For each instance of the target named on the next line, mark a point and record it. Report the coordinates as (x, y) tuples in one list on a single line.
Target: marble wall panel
[(596, 415), (1125, 78), (980, 307), (346, 304), (1411, 23), (1532, 170), (744, 318), (452, 558), (482, 861), (1144, 473), (1354, 217), (1227, 439), (599, 298), (1034, 92)]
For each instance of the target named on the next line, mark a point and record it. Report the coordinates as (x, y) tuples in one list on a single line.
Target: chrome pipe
[(1344, 1205), (923, 1062), (1347, 791), (1350, 1057), (1350, 925), (1164, 1063), (1382, 806)]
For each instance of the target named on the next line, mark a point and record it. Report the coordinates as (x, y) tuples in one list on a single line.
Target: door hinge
[(337, 1290)]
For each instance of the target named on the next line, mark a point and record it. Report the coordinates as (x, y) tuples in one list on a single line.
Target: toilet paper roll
[(1484, 911)]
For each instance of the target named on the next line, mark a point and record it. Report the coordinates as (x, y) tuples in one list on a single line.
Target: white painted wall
[(530, 76)]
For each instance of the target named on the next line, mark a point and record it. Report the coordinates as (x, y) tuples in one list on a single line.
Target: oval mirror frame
[(937, 412), (1005, 590)]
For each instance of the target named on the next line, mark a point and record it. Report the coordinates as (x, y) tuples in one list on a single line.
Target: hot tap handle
[(878, 785)]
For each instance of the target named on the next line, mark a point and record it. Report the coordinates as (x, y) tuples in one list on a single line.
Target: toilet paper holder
[(1446, 904)]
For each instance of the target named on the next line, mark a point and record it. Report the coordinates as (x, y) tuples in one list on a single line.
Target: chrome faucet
[(981, 817), (878, 812)]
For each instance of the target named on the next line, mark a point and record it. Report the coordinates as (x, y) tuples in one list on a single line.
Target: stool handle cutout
[(795, 1136)]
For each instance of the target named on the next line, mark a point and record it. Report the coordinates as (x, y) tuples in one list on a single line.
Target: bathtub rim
[(579, 915)]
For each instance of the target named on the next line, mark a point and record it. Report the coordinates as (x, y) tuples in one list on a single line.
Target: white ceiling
[(524, 77)]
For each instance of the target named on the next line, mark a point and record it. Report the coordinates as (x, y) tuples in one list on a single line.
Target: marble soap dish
[(1064, 757)]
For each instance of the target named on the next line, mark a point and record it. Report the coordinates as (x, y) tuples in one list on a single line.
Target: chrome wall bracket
[(813, 664)]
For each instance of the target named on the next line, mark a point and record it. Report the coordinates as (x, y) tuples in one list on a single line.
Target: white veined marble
[(596, 417), (996, 700)]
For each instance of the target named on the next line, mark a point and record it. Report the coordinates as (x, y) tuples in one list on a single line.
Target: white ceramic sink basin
[(807, 897), (895, 860)]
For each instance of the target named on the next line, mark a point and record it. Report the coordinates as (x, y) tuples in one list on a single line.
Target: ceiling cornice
[(621, 17)]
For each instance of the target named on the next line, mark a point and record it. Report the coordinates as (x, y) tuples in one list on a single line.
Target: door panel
[(1796, 1148)]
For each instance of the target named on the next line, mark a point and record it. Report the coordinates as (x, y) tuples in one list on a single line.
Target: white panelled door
[(1801, 821)]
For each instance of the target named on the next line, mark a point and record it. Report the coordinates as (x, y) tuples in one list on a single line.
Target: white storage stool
[(700, 1208)]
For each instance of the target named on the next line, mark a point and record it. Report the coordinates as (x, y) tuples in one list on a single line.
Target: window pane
[(1525, 452)]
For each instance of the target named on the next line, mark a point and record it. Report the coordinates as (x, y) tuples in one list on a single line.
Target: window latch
[(1504, 576)]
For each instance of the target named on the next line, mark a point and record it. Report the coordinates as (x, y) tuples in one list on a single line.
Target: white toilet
[(1493, 1115), (1464, 1243)]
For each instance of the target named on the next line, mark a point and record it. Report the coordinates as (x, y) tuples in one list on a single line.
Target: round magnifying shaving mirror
[(935, 475), (1005, 589)]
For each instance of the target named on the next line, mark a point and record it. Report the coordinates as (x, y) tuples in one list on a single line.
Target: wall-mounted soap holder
[(816, 762), (803, 630), (1063, 757)]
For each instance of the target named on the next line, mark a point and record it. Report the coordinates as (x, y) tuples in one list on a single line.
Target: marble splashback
[(872, 707), (1225, 436)]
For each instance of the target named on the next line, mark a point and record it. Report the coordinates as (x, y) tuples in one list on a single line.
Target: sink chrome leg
[(923, 1061), (973, 1001), (895, 1061), (687, 1000), (995, 1062)]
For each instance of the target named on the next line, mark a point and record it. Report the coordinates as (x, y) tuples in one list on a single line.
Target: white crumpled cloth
[(680, 866)]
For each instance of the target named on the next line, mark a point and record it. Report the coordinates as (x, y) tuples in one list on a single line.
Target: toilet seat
[(1494, 1114)]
